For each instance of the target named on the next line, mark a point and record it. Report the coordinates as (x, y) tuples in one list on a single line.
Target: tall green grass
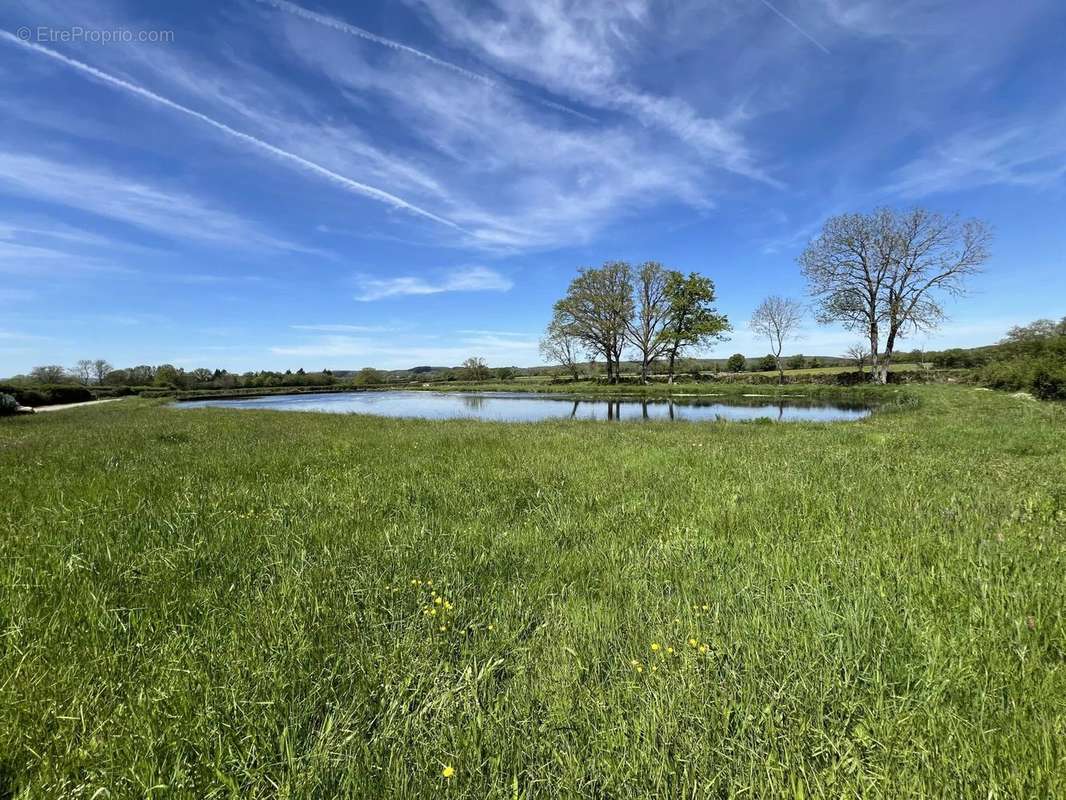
[(219, 603)]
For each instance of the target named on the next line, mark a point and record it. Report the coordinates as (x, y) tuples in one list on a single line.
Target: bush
[(1044, 376), (8, 405), (47, 395)]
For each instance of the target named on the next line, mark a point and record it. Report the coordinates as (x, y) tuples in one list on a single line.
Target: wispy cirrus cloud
[(99, 191), (343, 328), (348, 351), (465, 279), (342, 181), (1012, 154), (576, 49)]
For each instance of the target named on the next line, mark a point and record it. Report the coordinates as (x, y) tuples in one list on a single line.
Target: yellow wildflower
[(655, 647), (438, 601), (433, 612), (704, 648), (448, 771), (692, 643), (670, 651)]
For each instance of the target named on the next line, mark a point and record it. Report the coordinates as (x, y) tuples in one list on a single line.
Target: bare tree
[(936, 255), (596, 309), (83, 370), (858, 354), (560, 347), (100, 369), (778, 319), (883, 273), (646, 330)]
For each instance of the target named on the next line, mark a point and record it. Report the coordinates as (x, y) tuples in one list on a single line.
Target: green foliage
[(694, 321), (767, 363), (35, 395), (1032, 358), (219, 604), (8, 405), (736, 362), (796, 362), (474, 369), (368, 376)]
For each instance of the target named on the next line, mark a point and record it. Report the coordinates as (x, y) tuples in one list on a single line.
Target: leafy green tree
[(368, 376), (768, 363), (736, 362), (596, 311), (797, 362), (474, 369), (49, 373), (168, 375), (693, 320)]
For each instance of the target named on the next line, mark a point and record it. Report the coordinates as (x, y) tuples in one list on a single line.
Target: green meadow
[(219, 604)]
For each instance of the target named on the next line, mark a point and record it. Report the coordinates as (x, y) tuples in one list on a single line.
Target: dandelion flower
[(448, 772), (670, 651), (433, 612), (704, 648), (438, 601), (655, 647), (639, 668), (492, 627), (692, 643), (429, 583)]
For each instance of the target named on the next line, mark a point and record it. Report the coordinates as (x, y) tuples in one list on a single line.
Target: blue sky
[(254, 184)]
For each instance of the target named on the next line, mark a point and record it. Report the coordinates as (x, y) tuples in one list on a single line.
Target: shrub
[(8, 405), (1044, 375)]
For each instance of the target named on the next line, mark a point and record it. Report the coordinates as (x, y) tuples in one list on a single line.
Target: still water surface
[(527, 407)]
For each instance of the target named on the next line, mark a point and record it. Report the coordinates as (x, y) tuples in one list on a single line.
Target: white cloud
[(342, 181), (1019, 154), (96, 190), (465, 279), (579, 49), (339, 328), (346, 352)]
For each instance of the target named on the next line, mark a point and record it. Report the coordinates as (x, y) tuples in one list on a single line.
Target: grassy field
[(219, 603)]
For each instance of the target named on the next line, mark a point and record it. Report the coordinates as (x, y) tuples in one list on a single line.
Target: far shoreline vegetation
[(883, 275)]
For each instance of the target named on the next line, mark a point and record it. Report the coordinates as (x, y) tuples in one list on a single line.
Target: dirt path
[(65, 406)]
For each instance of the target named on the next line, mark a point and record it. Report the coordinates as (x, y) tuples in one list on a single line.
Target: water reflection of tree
[(473, 402)]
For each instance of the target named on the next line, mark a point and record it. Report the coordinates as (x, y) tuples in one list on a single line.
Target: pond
[(528, 407)]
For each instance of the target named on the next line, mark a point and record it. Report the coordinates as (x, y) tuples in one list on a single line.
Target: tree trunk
[(644, 370), (875, 368), (673, 354)]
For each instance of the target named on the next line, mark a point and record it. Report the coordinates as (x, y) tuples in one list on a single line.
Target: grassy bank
[(870, 394), (219, 603)]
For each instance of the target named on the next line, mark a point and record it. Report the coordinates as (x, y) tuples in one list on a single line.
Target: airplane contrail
[(310, 166), (362, 33)]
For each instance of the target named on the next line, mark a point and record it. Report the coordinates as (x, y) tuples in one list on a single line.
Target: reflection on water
[(526, 407)]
